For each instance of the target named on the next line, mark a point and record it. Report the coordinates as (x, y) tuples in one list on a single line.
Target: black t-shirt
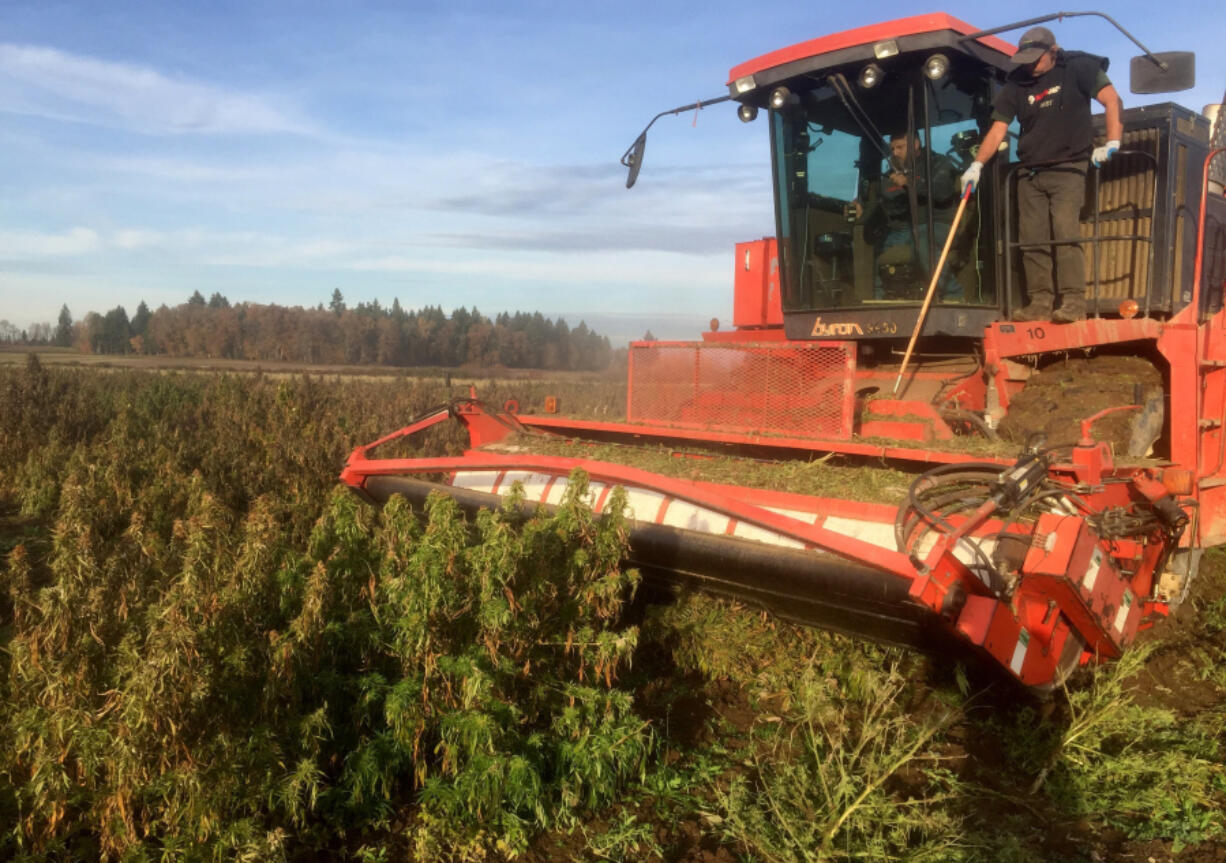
[(1054, 108)]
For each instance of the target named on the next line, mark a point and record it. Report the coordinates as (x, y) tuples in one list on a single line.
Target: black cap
[(1034, 44)]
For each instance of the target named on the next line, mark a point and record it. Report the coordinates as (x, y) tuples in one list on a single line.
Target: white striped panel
[(533, 483), (643, 505), (594, 491), (869, 531), (751, 531), (798, 514), (558, 490), (476, 480), (690, 517)]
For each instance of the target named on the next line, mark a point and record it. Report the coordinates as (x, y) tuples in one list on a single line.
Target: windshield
[(868, 189)]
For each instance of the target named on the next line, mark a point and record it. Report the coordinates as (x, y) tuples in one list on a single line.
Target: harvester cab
[(1036, 558), (868, 143)]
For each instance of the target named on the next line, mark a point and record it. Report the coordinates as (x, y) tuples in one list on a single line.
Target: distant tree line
[(367, 334)]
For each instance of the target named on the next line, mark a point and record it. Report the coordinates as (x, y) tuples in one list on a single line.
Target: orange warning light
[(1177, 480)]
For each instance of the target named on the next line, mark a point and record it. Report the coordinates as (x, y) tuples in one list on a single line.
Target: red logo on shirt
[(1039, 97)]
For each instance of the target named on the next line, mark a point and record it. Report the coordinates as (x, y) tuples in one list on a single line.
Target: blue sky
[(458, 153)]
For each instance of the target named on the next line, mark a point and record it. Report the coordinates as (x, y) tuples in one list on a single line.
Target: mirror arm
[(1057, 15), (625, 160)]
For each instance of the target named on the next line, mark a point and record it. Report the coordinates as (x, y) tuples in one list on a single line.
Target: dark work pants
[(1049, 208)]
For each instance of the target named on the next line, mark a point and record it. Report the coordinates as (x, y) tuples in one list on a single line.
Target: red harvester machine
[(1037, 563)]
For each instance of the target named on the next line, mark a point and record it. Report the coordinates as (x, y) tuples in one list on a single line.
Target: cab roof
[(938, 23)]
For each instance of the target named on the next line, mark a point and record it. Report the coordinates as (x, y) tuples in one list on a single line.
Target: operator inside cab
[(906, 188)]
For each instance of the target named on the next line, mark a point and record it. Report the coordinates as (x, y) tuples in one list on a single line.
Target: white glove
[(1103, 153), (970, 177)]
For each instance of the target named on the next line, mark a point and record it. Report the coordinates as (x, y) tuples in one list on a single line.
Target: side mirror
[(1147, 76), (633, 158)]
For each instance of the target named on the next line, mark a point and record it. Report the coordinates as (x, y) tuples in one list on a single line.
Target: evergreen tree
[(63, 330), (196, 299), (338, 302), (140, 321), (115, 332)]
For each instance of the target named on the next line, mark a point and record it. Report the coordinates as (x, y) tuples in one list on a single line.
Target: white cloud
[(543, 258), (203, 247), (50, 83), (30, 244), (279, 252), (655, 269), (137, 239), (182, 171)]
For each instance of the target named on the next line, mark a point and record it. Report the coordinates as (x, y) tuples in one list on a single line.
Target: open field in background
[(209, 651), (68, 357)]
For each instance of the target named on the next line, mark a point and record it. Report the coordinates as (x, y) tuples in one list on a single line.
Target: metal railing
[(1094, 240)]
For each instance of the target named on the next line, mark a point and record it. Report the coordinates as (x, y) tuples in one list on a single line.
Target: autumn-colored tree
[(367, 334), (391, 343)]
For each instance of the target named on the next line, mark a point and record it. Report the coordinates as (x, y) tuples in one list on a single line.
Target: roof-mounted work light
[(936, 66), (870, 76), (782, 97), (747, 113), (888, 48)]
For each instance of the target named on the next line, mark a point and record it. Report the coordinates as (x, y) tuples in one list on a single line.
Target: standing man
[(1049, 93)]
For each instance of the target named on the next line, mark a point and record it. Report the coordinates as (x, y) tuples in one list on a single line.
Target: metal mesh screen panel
[(802, 390)]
